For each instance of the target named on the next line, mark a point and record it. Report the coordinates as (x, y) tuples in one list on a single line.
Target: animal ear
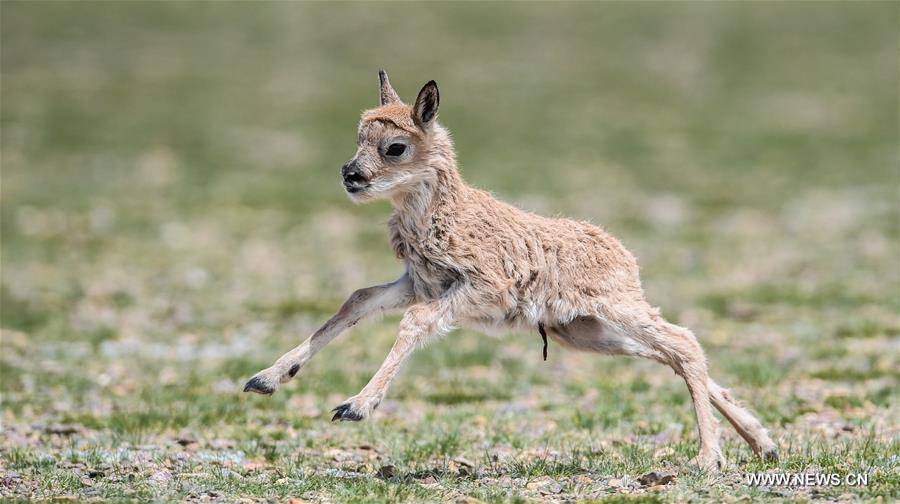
[(426, 107), (388, 95)]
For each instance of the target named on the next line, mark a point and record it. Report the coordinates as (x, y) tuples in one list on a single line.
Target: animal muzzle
[(354, 180)]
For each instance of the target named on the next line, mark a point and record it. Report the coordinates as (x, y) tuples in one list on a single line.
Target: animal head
[(400, 147)]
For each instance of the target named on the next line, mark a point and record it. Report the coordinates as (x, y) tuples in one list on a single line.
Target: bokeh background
[(172, 221)]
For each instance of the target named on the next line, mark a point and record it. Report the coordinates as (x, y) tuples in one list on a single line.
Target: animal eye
[(395, 149)]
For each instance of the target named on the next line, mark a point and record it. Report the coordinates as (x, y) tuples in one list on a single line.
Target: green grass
[(172, 222)]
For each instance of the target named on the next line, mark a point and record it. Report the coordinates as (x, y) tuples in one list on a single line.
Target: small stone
[(387, 471), (464, 462), (463, 466), (654, 478), (186, 438), (615, 483), (583, 479), (160, 477), (340, 455), (545, 485), (228, 473), (63, 429)]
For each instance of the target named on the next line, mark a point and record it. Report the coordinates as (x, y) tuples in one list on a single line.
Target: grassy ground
[(172, 222)]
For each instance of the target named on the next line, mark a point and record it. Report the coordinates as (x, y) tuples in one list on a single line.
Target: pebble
[(160, 477), (387, 471), (545, 485), (654, 478)]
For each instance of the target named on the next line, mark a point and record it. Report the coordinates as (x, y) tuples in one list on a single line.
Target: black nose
[(349, 166), (352, 176)]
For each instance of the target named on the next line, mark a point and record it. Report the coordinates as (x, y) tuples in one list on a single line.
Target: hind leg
[(655, 339), (679, 349), (743, 421)]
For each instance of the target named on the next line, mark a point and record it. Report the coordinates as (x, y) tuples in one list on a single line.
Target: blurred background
[(173, 220)]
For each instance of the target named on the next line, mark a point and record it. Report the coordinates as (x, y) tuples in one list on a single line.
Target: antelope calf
[(474, 261)]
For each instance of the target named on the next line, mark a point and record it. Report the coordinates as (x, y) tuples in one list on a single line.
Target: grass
[(172, 222)]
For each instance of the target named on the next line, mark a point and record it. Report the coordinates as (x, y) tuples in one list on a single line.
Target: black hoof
[(770, 455), (259, 385), (346, 413)]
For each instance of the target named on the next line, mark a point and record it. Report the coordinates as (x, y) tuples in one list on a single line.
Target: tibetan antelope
[(474, 261)]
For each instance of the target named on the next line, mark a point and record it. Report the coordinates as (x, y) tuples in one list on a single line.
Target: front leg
[(361, 304), (420, 322)]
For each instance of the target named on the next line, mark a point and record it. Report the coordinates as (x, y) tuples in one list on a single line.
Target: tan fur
[(474, 261)]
